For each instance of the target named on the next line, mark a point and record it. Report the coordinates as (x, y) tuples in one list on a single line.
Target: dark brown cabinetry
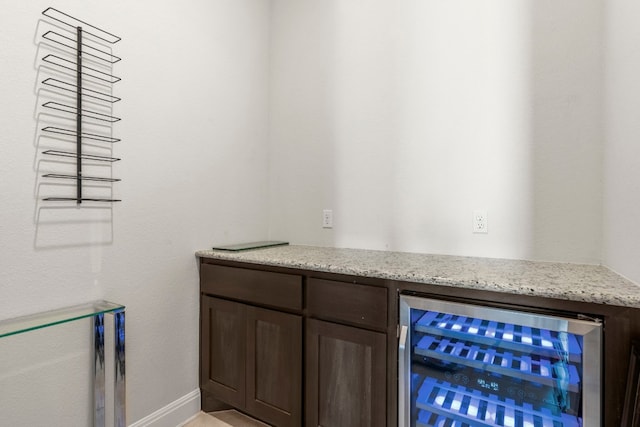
[(223, 350), (345, 376), (251, 357), (346, 354), (274, 366), (256, 355)]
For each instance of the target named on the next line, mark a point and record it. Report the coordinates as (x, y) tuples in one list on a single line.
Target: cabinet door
[(222, 335), (345, 376), (274, 366)]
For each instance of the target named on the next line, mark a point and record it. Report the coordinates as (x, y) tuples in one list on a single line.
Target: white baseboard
[(174, 414)]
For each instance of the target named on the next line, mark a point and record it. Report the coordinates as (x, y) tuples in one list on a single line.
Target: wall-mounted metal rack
[(93, 82)]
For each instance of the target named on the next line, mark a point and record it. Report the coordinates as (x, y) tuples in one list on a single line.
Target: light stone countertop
[(574, 282)]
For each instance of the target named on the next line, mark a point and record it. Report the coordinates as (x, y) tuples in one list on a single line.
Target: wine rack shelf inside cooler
[(443, 404), (526, 367), (503, 335)]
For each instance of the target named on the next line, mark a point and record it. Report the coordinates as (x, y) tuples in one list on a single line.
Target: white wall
[(404, 117), (622, 118), (194, 172)]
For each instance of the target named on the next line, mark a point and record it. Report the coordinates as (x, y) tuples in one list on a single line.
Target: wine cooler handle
[(403, 337), (403, 375)]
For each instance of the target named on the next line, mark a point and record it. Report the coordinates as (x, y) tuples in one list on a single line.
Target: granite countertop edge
[(564, 281)]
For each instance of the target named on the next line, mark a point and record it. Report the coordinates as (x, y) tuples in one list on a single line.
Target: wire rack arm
[(69, 20)]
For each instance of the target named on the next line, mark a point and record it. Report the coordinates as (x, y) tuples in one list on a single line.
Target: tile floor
[(229, 418)]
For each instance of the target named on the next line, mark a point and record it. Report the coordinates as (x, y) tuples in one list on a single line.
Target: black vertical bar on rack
[(79, 118)]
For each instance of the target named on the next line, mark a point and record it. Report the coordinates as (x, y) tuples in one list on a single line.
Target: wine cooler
[(464, 365)]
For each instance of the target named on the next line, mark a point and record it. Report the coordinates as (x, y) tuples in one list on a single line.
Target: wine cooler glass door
[(464, 365)]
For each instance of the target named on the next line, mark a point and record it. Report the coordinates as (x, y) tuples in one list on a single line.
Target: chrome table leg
[(98, 370), (119, 384)]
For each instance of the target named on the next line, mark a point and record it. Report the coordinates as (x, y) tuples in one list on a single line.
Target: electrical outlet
[(480, 221), (327, 218)]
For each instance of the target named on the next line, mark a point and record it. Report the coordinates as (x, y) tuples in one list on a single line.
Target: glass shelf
[(50, 318)]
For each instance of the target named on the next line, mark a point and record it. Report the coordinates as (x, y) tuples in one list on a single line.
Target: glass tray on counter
[(250, 245)]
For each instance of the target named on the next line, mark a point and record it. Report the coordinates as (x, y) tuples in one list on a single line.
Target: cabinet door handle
[(403, 375)]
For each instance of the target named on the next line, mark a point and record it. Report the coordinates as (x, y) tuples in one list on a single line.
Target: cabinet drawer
[(253, 286), (352, 303)]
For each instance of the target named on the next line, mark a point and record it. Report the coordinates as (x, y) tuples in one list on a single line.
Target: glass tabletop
[(31, 322)]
